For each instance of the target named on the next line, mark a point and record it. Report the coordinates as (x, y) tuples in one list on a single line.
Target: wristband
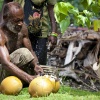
[(54, 34)]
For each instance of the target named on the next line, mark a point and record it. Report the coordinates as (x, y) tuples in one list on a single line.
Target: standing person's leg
[(41, 50), (39, 45)]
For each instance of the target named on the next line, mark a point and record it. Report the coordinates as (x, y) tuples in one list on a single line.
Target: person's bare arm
[(27, 44), (53, 36), (9, 66), (52, 18)]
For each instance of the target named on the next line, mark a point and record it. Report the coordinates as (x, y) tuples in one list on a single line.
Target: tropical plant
[(68, 12)]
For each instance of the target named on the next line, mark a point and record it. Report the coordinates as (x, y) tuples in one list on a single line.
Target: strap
[(40, 7)]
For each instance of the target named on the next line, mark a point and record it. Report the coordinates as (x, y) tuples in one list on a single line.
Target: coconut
[(40, 86), (55, 83), (11, 85)]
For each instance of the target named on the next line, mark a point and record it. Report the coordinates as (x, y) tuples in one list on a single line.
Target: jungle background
[(75, 17), (77, 52)]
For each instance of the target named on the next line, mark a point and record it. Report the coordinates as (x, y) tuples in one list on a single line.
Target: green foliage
[(64, 10), (61, 10), (96, 25), (64, 24), (1, 2), (80, 14), (89, 2)]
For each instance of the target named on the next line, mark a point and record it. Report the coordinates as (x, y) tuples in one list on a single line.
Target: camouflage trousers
[(21, 58)]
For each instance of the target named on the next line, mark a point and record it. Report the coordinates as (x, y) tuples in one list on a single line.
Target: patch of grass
[(65, 93)]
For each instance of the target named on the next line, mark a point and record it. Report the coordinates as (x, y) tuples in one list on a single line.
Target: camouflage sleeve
[(21, 2), (52, 2)]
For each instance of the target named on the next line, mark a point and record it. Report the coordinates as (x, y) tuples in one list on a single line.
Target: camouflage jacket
[(45, 18)]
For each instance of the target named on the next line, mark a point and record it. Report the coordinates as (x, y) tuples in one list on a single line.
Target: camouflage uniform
[(38, 42), (45, 18)]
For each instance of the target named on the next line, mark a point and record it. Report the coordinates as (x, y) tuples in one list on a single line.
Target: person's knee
[(27, 54), (21, 56)]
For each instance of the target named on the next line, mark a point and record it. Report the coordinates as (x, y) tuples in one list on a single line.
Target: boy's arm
[(53, 36)]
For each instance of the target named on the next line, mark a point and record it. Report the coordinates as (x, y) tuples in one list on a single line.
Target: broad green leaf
[(62, 7), (81, 19), (88, 23), (74, 11), (58, 8), (61, 10), (59, 17), (87, 13), (96, 24), (89, 2), (64, 24)]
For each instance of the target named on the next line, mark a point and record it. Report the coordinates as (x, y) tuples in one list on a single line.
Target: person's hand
[(30, 78), (53, 40), (38, 69)]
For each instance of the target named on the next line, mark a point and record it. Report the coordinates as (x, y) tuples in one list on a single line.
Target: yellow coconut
[(56, 86), (40, 86), (11, 85), (55, 83)]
